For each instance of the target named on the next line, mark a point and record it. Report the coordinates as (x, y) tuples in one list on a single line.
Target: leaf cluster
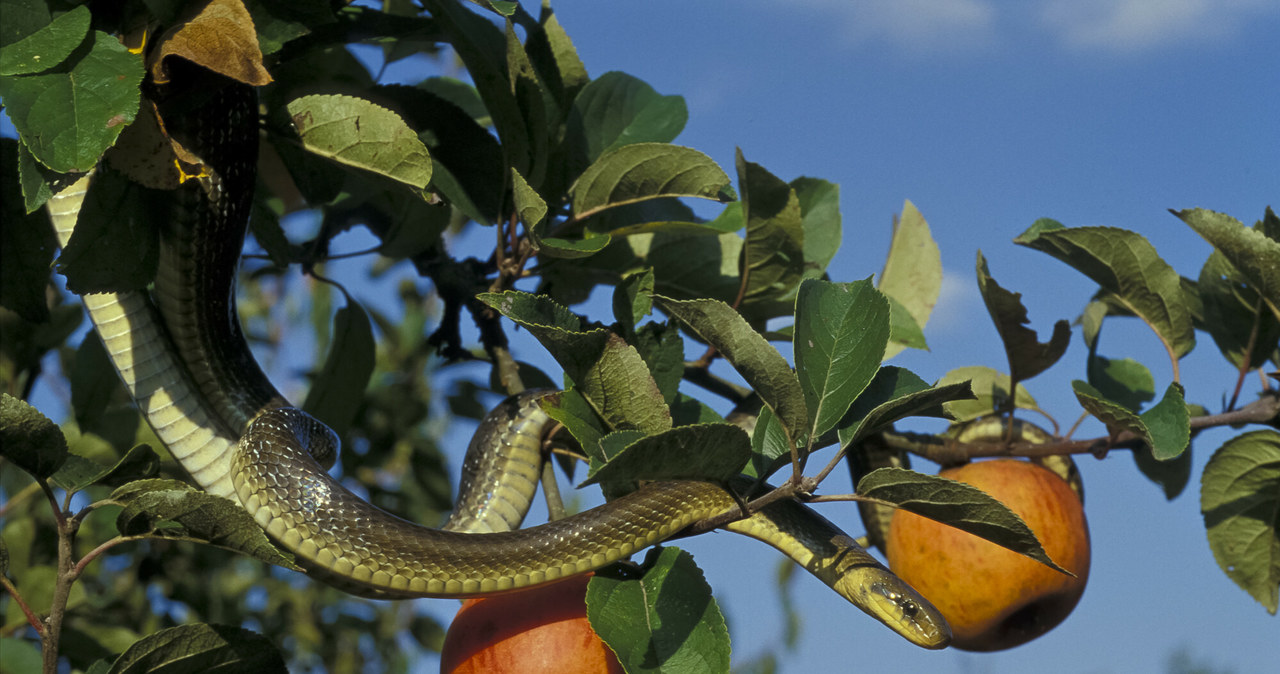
[(585, 192)]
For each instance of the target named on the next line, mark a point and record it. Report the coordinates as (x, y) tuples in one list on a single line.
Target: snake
[(180, 352)]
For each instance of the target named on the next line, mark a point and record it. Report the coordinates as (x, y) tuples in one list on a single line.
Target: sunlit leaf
[(1240, 501), (359, 133), (662, 621), (607, 370), (912, 276), (48, 46), (1252, 252), (642, 171), (755, 359), (616, 109), (1165, 428), (990, 390), (1125, 264), (840, 337), (69, 117)]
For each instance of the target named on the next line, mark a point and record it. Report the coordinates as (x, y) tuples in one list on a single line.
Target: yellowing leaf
[(912, 273)]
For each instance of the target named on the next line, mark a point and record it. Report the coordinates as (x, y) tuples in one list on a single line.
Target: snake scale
[(180, 353)]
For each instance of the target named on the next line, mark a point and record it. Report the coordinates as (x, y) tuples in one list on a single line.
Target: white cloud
[(1134, 25), (919, 26)]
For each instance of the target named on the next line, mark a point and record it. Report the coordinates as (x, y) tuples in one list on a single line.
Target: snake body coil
[(181, 355)]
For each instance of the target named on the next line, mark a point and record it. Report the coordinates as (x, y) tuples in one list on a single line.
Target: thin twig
[(32, 619)]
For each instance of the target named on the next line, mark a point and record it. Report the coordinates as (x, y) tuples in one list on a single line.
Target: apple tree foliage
[(579, 188)]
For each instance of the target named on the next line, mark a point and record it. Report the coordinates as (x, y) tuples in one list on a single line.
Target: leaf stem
[(32, 618), (1248, 354)]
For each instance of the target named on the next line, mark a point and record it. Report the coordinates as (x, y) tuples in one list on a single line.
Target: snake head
[(917, 619)]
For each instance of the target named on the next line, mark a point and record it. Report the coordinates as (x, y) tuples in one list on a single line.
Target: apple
[(543, 629), (995, 598)]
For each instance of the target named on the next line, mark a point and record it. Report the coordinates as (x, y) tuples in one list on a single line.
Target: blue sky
[(989, 115)]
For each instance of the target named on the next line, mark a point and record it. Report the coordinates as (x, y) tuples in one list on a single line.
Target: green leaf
[(1171, 476), (958, 505), (338, 389), (1165, 428), (633, 299), (1251, 251), (27, 244), (48, 46), (607, 370), (535, 105), (1240, 501), (575, 413), (1125, 264), (29, 439), (663, 621), (1233, 310), (483, 50), (821, 221), (990, 390), (773, 253), (529, 205), (770, 448), (912, 276), (1168, 424), (662, 349), (642, 171), (22, 655), (702, 452), (896, 393), (68, 118), (617, 109), (203, 518), (201, 647), (359, 133), (764, 369), (904, 332), (840, 336), (1027, 356), (78, 472), (556, 58), (1125, 381), (94, 382), (116, 243)]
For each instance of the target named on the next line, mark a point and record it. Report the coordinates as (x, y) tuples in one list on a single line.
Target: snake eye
[(909, 607)]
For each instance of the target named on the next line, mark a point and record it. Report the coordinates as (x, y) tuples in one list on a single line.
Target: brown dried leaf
[(221, 38)]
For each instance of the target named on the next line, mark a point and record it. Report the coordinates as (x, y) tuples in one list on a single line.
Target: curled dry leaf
[(220, 37)]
